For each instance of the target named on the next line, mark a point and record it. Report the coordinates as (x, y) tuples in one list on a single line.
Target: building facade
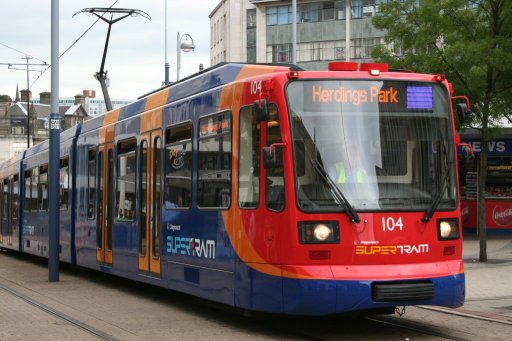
[(261, 31), (94, 106), (14, 137)]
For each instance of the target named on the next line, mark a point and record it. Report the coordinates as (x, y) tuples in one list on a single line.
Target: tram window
[(35, 183), (275, 176), (28, 190), (31, 177), (249, 159), (126, 172), (42, 192), (100, 220), (214, 168), (6, 201), (178, 167), (157, 196), (91, 176), (64, 183), (110, 199), (2, 200), (143, 197), (15, 197)]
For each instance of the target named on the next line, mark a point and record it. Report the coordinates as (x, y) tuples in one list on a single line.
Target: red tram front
[(361, 206)]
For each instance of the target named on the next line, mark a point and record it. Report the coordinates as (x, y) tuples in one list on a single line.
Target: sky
[(136, 53)]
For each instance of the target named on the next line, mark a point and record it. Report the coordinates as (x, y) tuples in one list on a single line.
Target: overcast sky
[(136, 53)]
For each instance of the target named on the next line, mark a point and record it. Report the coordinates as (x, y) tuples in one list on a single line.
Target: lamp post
[(185, 46), (166, 65)]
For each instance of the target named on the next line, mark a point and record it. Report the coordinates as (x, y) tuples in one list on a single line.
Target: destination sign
[(388, 95)]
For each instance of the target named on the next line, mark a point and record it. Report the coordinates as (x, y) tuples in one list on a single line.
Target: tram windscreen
[(386, 145)]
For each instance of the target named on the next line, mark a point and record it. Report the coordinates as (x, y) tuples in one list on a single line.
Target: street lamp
[(185, 46)]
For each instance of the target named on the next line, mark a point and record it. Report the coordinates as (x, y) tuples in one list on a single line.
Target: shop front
[(498, 185)]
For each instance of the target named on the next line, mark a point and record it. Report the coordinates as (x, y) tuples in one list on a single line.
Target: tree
[(468, 41)]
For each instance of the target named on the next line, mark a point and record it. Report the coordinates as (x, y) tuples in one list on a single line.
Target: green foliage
[(469, 41)]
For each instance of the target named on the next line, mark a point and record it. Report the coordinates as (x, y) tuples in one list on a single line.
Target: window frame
[(164, 161), (123, 149), (218, 135)]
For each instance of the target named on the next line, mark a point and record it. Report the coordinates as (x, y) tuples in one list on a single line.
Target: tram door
[(150, 199), (105, 185), (6, 208)]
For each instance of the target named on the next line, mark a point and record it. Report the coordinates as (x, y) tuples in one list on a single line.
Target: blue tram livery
[(262, 187)]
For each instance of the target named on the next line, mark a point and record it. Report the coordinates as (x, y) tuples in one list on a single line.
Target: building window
[(281, 53), (356, 9), (251, 18), (251, 35), (271, 16)]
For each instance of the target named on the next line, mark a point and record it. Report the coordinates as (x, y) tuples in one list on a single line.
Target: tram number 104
[(390, 224)]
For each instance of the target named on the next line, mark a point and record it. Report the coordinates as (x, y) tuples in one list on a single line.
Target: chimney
[(86, 93), (93, 93), (45, 97), (24, 95), (80, 99)]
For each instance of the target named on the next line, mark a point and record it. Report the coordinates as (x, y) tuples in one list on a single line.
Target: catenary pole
[(54, 157), (294, 32)]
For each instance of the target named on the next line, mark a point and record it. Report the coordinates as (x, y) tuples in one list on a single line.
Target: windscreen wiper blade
[(430, 212), (349, 209)]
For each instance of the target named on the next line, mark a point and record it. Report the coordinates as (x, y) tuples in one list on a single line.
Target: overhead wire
[(23, 53)]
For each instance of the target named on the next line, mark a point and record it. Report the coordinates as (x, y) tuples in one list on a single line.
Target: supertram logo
[(391, 249), (194, 247)]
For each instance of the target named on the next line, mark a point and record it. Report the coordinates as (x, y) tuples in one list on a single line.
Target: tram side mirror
[(463, 112), (269, 157), (261, 110)]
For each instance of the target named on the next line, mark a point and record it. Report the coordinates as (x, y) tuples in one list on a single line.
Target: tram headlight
[(448, 229), (324, 232)]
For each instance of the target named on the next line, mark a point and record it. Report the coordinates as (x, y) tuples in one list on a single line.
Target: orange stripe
[(157, 100), (151, 120), (107, 131)]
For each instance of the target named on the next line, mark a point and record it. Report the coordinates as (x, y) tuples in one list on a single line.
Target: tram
[(262, 187)]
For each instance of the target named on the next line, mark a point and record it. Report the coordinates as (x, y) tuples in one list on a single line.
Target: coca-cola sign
[(502, 216)]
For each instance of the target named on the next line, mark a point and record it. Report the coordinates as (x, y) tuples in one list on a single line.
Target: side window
[(126, 172), (214, 168), (157, 196), (100, 182), (64, 184), (275, 176), (2, 200), (35, 184), (15, 197), (42, 192), (249, 159), (7, 199), (178, 167), (91, 183), (28, 190)]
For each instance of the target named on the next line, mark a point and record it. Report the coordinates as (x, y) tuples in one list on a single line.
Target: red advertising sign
[(498, 214)]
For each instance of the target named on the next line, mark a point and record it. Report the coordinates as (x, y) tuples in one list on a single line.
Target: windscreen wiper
[(430, 212), (354, 217)]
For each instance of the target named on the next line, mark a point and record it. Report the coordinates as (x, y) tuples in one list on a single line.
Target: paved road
[(85, 305)]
